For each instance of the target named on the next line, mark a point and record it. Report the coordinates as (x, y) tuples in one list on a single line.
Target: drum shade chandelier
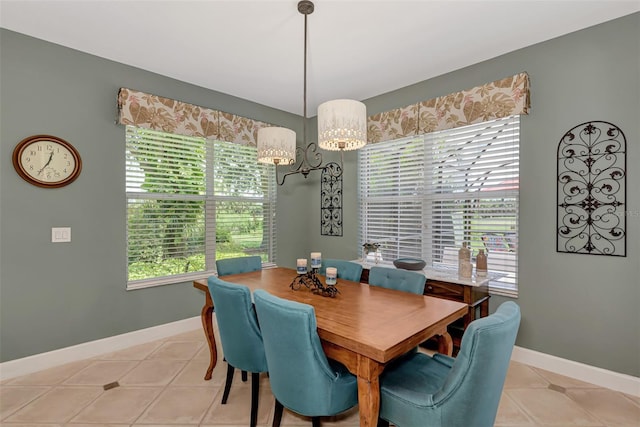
[(342, 125)]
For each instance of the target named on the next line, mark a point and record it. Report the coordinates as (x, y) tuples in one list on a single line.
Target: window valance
[(501, 98), (163, 114)]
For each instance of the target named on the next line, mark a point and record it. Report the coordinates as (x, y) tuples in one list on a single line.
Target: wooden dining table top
[(372, 321)]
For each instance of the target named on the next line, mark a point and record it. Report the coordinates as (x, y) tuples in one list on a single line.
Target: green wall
[(577, 307), (57, 295)]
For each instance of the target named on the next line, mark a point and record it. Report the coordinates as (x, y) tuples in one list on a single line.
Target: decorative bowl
[(409, 263)]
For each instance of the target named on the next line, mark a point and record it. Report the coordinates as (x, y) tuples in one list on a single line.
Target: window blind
[(423, 196)]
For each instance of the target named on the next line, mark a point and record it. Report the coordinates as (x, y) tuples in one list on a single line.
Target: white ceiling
[(254, 49)]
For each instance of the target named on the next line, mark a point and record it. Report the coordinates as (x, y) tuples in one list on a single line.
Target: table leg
[(369, 401), (445, 344), (207, 325)]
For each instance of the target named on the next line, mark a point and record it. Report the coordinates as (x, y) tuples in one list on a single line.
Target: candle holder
[(310, 281)]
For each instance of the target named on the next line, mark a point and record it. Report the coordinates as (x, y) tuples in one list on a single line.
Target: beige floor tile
[(13, 398), (635, 399), (195, 335), (94, 425), (193, 375), (178, 405), (510, 414), (349, 417), (36, 425), (153, 373), (179, 350), (237, 410), (608, 406), (138, 352), (120, 405), (56, 406), (163, 425), (523, 376), (101, 372), (548, 407), (52, 376), (561, 380)]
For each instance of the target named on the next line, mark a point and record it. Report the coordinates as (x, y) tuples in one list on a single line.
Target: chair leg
[(244, 376), (315, 422), (255, 392), (227, 384), (382, 423), (277, 414)]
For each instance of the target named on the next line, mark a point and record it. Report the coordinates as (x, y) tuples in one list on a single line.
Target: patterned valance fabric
[(155, 112), (493, 100)]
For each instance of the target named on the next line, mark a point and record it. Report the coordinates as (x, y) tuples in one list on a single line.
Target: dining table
[(364, 327)]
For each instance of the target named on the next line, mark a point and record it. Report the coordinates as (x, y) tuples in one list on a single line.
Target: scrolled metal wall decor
[(331, 200), (592, 189)]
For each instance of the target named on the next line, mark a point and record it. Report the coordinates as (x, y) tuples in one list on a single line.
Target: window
[(423, 196), (190, 201)]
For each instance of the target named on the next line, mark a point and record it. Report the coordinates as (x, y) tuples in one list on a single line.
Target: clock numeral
[(32, 152), (30, 167)]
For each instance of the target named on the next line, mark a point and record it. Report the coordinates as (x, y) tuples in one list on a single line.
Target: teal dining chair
[(347, 270), (240, 335), (302, 379), (244, 264), (401, 280), (442, 391)]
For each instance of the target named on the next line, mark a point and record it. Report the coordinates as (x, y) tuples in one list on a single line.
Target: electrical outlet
[(60, 234)]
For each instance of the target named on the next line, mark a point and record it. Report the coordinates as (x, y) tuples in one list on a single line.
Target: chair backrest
[(477, 377), (300, 375), (347, 270), (238, 325), (401, 280), (243, 264)]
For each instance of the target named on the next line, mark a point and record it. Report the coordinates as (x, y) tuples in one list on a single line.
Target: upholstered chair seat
[(441, 391), (401, 280), (240, 336), (228, 266), (302, 378), (347, 270)]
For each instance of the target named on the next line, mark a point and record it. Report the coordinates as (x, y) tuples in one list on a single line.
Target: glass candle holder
[(301, 265), (331, 276), (316, 259)]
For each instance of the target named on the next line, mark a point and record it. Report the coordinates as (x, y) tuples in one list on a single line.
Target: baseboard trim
[(14, 368), (38, 362), (601, 377)]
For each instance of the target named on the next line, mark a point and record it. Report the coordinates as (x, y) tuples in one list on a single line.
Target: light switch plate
[(60, 234)]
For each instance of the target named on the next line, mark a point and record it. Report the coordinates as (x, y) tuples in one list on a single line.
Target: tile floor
[(161, 384)]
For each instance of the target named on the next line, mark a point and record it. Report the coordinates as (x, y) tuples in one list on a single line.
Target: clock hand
[(46, 164)]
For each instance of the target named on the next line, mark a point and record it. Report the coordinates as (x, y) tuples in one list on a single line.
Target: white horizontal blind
[(245, 198), (472, 196), (423, 196), (390, 187), (190, 200)]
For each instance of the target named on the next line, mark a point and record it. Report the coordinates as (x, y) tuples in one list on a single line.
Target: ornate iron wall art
[(331, 200), (310, 281), (592, 190)]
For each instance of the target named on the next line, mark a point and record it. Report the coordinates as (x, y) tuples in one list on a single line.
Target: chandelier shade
[(342, 125), (276, 146)]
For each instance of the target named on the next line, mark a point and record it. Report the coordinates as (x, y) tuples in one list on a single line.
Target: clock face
[(47, 161)]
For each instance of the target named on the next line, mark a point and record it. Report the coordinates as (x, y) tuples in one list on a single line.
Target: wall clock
[(47, 161)]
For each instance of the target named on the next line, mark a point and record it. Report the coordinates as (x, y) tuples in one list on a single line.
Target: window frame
[(502, 210), (265, 194)]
